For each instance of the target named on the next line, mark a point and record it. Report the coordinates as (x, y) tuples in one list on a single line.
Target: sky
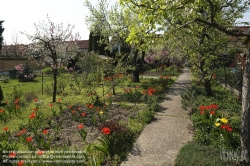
[(20, 15)]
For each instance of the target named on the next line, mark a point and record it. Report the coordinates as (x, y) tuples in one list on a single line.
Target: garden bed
[(76, 122), (216, 125)]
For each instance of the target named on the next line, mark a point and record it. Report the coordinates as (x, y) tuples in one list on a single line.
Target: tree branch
[(220, 28)]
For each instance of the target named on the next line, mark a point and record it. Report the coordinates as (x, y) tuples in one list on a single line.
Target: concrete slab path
[(160, 141)]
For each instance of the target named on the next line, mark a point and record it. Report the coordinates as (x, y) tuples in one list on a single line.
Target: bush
[(62, 83), (17, 93), (6, 80), (29, 96), (48, 90), (47, 71), (145, 116)]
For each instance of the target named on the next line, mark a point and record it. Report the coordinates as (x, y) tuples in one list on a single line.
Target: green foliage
[(145, 116), (118, 142), (90, 46), (17, 93), (153, 104), (5, 147), (62, 83), (132, 95), (135, 126), (29, 96), (6, 80), (189, 96), (196, 154), (232, 79), (47, 71)]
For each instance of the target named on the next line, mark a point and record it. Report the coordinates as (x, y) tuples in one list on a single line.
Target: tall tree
[(95, 42), (90, 48), (1, 35), (54, 45)]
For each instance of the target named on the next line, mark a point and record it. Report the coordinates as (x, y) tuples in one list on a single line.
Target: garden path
[(160, 141)]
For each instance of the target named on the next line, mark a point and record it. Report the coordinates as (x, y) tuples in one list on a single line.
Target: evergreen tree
[(1, 36), (95, 45), (90, 48), (95, 42)]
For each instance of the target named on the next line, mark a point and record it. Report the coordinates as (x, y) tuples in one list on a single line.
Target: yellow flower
[(224, 120), (101, 112), (217, 124)]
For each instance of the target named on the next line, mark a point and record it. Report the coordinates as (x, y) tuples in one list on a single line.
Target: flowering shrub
[(157, 59), (24, 73)]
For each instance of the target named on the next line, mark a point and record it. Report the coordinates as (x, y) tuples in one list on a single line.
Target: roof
[(243, 29), (12, 48), (83, 44)]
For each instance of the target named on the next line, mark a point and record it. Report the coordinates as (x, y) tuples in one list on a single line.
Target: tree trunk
[(113, 89), (201, 64), (245, 118), (142, 62), (136, 72), (208, 87), (136, 76), (55, 84)]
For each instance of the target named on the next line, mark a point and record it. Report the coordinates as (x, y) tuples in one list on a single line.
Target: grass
[(196, 154)]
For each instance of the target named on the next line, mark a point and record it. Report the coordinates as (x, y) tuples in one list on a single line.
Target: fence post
[(42, 83), (225, 79)]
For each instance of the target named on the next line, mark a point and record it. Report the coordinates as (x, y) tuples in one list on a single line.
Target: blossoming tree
[(52, 45), (157, 58)]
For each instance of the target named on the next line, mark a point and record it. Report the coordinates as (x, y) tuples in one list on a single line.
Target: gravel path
[(160, 141)]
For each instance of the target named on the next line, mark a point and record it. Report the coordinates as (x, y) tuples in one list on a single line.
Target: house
[(12, 50), (238, 42), (15, 50), (83, 45)]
